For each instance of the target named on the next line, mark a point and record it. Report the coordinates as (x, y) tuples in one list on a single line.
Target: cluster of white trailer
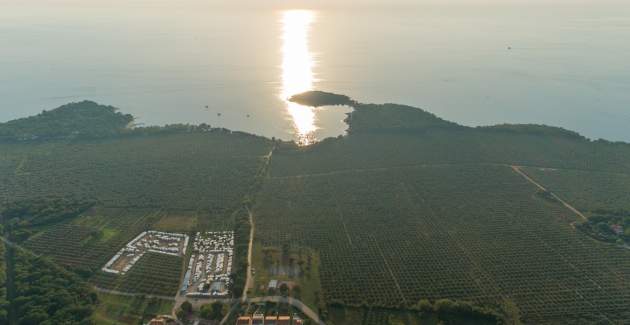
[(148, 241), (210, 265)]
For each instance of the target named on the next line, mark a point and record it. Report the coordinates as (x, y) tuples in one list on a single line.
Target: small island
[(316, 98)]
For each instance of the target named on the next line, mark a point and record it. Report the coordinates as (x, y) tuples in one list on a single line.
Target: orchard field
[(587, 190), (474, 233)]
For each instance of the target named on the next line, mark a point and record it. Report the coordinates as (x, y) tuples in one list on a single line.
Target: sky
[(326, 3), (297, 4)]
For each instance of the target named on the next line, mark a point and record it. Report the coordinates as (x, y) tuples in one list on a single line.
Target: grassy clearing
[(113, 309), (269, 263), (177, 223)]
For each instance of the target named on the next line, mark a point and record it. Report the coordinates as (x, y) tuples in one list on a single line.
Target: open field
[(114, 309), (475, 233), (300, 267), (180, 223)]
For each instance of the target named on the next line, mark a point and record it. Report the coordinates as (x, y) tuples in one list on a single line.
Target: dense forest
[(37, 290), (84, 119), (37, 212), (46, 294)]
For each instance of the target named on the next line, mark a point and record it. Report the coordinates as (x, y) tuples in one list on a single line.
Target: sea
[(234, 64)]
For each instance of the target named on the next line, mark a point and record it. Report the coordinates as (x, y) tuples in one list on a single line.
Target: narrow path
[(373, 169), (391, 272), (519, 171), (339, 212), (385, 168)]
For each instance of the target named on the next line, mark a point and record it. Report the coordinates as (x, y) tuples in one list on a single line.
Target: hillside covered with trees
[(84, 119)]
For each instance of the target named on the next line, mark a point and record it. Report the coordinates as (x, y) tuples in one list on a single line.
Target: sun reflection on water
[(297, 71)]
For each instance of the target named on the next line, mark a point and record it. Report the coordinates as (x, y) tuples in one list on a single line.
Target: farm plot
[(154, 274), (474, 233), (89, 241), (210, 265), (148, 241)]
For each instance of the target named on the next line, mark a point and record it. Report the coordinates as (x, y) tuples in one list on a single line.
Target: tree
[(181, 314), (285, 252), (296, 292), (34, 317), (186, 307), (284, 289), (212, 311), (424, 306)]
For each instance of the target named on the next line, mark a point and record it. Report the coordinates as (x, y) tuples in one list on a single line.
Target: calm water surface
[(478, 65)]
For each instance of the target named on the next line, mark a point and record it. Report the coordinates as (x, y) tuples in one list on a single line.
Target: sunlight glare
[(297, 70)]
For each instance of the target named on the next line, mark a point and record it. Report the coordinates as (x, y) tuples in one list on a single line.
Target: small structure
[(244, 320), (617, 229), (271, 320), (157, 321), (273, 284), (297, 320), (258, 319), (162, 320), (284, 320)]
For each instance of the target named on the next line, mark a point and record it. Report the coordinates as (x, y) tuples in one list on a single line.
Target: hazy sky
[(321, 3)]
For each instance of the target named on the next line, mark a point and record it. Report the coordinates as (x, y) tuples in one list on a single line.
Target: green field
[(115, 309), (305, 260)]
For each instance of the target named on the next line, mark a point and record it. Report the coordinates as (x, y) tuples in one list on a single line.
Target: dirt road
[(519, 171), (248, 280)]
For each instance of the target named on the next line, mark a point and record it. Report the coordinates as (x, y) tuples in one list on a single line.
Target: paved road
[(306, 310)]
